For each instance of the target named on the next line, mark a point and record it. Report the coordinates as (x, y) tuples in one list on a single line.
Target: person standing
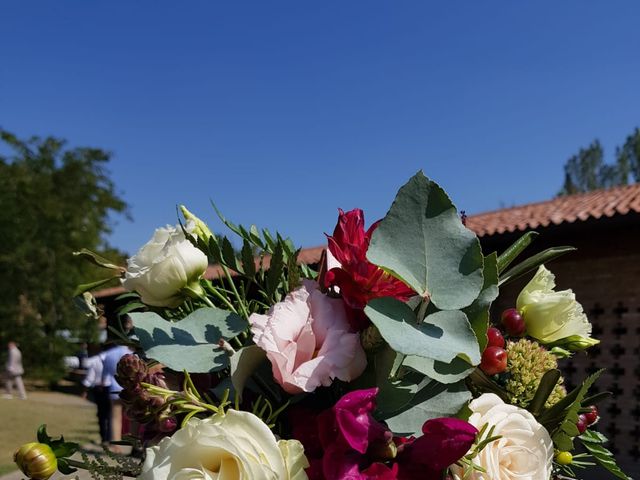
[(15, 371), (109, 368), (98, 394)]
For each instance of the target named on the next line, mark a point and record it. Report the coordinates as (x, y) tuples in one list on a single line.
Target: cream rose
[(524, 451), (232, 446), (553, 317), (166, 269)]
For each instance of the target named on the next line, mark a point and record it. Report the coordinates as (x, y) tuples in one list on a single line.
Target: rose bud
[(36, 460)]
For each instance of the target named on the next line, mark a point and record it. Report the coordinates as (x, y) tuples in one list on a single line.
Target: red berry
[(513, 322), (494, 360), (495, 338), (581, 424), (592, 416)]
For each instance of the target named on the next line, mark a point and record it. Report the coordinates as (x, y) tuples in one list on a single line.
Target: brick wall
[(605, 275)]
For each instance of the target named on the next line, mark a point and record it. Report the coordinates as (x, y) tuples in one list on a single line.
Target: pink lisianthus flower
[(357, 279), (307, 340)]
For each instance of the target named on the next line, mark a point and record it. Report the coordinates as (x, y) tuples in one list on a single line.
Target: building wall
[(605, 275)]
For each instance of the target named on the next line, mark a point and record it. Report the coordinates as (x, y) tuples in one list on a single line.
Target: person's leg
[(116, 420), (104, 413), (9, 386), (20, 387)]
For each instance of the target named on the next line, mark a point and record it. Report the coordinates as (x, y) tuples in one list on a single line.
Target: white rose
[(166, 269), (232, 446), (553, 317), (524, 451)]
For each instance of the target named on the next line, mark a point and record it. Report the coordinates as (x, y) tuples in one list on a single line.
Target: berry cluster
[(494, 357)]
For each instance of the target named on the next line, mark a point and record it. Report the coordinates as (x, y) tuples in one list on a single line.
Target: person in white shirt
[(14, 371), (99, 395)]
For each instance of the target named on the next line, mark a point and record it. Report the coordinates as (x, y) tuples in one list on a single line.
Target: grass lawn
[(63, 414)]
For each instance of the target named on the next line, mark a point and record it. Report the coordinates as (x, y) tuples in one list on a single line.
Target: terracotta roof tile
[(567, 209)]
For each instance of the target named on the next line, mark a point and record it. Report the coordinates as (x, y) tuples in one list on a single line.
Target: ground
[(69, 415)]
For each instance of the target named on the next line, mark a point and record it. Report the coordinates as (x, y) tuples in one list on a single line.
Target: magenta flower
[(353, 445)]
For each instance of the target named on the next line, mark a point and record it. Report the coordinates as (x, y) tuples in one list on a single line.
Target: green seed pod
[(36, 460)]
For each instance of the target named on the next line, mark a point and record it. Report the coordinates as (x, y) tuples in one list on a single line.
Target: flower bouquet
[(381, 360)]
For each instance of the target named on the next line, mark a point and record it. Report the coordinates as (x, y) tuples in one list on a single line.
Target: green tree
[(587, 170), (629, 155), (55, 200)]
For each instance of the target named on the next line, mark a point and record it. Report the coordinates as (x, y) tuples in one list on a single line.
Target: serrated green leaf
[(248, 262), (534, 262), (130, 307), (229, 255), (592, 442), (422, 241), (276, 267), (478, 311), (443, 335), (515, 249), (190, 344)]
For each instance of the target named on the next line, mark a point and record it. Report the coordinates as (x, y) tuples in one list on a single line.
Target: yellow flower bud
[(196, 226), (36, 460)]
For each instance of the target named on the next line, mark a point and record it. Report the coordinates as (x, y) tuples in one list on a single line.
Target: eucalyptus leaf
[(422, 241), (446, 373), (478, 312), (443, 335), (432, 401), (190, 344)]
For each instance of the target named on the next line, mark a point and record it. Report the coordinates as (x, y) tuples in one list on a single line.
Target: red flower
[(358, 279)]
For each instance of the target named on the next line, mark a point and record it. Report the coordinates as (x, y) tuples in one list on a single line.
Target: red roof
[(566, 209)]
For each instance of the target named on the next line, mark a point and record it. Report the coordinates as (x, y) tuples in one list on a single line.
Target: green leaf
[(65, 468), (434, 400), (229, 256), (534, 262), (478, 311), (85, 287), (98, 260), (64, 449), (248, 262), (190, 344), (443, 335), (276, 267), (243, 363), (563, 434), (446, 373), (42, 435), (516, 248), (547, 383), (592, 442), (422, 241)]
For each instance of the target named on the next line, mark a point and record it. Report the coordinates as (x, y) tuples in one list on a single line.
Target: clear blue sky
[(281, 112)]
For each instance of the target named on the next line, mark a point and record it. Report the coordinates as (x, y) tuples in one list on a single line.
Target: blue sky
[(283, 111)]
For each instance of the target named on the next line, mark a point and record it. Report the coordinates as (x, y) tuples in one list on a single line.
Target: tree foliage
[(55, 200), (587, 170)]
